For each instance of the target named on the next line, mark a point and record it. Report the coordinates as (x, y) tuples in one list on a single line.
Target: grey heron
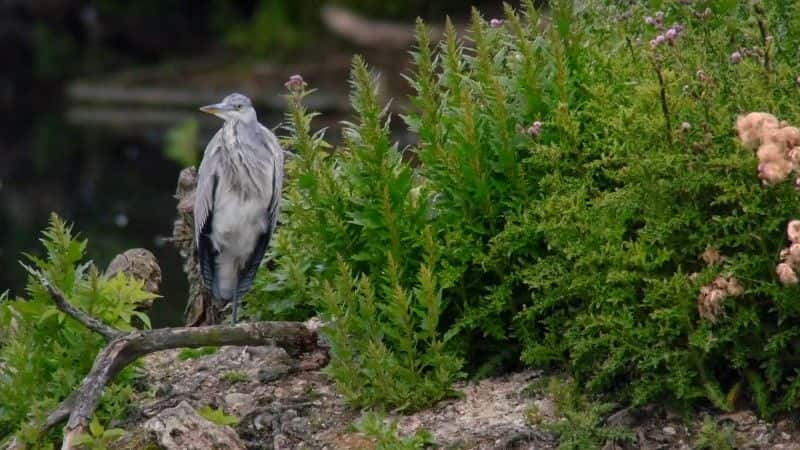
[(237, 200)]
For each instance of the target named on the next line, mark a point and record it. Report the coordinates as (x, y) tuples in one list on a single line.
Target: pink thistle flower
[(649, 20), (659, 16), (736, 57), (686, 126), (295, 83), (671, 35), (496, 23), (660, 39)]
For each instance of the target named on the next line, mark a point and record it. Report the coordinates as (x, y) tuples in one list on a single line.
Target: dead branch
[(200, 309), (295, 338), (64, 306)]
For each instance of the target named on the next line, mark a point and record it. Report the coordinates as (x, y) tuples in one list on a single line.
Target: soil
[(281, 405)]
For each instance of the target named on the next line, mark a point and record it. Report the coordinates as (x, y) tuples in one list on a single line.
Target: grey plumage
[(237, 199)]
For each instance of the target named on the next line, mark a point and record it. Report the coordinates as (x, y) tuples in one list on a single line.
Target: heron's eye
[(238, 107)]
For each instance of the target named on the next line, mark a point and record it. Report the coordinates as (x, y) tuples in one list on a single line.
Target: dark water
[(112, 183)]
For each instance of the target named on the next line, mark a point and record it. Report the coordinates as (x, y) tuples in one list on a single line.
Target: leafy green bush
[(358, 206), (573, 171), (44, 354)]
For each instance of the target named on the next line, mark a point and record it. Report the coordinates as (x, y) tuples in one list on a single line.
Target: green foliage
[(45, 354), (558, 210), (194, 353), (358, 205), (98, 437), (375, 427), (218, 416), (583, 424), (715, 437), (181, 143)]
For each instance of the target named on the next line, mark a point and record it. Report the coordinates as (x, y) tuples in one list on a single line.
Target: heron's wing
[(204, 208), (275, 180)]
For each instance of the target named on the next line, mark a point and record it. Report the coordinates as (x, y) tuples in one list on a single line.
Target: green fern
[(45, 354)]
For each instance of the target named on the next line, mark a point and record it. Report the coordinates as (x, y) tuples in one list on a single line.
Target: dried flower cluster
[(778, 145), (790, 257), (712, 296)]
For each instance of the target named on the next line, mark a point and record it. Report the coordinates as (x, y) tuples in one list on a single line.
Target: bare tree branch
[(64, 306), (296, 338)]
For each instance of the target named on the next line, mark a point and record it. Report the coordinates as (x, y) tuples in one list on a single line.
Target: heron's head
[(232, 107)]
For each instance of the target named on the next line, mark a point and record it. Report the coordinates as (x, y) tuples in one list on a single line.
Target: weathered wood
[(296, 338), (200, 308), (64, 306)]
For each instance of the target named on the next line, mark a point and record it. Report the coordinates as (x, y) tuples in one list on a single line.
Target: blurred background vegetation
[(111, 168)]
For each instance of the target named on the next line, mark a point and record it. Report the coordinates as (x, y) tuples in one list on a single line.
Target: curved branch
[(294, 337), (67, 308)]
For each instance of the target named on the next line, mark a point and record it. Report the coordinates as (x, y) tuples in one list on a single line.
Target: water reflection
[(116, 187)]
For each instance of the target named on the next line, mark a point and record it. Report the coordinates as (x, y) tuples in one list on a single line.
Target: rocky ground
[(280, 404)]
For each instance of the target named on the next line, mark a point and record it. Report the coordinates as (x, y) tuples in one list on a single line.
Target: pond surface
[(112, 183)]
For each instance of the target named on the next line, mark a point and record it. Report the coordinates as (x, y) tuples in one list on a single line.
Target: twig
[(296, 338), (64, 306), (663, 95), (762, 28)]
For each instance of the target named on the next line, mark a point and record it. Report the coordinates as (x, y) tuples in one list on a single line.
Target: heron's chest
[(237, 222)]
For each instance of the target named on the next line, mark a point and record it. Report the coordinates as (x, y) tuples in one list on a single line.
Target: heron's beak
[(216, 109)]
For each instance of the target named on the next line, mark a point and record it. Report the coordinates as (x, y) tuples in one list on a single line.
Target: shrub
[(573, 173), (44, 354)]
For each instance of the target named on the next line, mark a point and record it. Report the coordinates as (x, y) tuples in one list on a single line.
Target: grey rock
[(272, 373), (181, 428), (240, 404), (625, 417)]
